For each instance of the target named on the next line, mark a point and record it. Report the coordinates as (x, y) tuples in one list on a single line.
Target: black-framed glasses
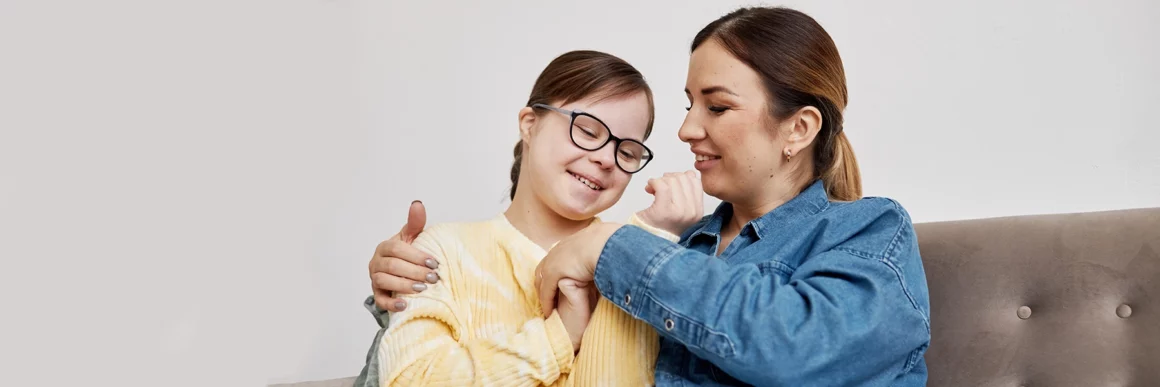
[(590, 133)]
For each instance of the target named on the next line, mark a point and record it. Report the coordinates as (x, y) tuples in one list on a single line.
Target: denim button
[(627, 299), (669, 324)]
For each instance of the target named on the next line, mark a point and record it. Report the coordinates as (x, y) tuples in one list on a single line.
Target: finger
[(538, 275), (416, 220), (676, 189), (686, 188), (568, 284), (549, 285), (391, 304), (572, 289), (399, 268), (574, 293), (594, 295), (699, 190), (660, 189), (404, 250), (648, 187), (384, 283)]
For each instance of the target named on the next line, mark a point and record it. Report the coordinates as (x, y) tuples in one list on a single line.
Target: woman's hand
[(572, 258), (577, 302), (678, 202), (398, 267)]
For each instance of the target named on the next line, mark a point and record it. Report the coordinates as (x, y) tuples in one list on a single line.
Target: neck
[(539, 223), (768, 198)]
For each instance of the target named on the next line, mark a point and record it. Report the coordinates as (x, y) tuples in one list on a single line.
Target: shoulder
[(876, 227), (870, 209), (444, 239)]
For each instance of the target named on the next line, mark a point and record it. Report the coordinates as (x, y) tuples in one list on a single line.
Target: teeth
[(587, 183), (706, 158)]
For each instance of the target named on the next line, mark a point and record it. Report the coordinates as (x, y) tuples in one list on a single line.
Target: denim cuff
[(382, 317), (626, 265)]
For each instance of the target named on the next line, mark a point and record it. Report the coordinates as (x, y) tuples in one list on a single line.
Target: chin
[(573, 210), (712, 187), (578, 209)]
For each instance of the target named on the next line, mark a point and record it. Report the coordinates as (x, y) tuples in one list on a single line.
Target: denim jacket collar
[(807, 203)]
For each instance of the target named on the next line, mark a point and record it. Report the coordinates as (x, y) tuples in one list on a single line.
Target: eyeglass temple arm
[(553, 108)]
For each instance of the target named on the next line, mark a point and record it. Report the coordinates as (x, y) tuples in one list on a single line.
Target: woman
[(479, 321), (795, 279)]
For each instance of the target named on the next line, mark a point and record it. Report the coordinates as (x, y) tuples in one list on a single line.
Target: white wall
[(193, 188)]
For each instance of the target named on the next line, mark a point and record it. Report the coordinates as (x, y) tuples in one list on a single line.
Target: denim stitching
[(654, 264), (777, 266), (859, 253), (896, 240), (906, 291), (695, 324)]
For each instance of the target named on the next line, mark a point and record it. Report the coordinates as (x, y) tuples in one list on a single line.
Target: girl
[(478, 320)]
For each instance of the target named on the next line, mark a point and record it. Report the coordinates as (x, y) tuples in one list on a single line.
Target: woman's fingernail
[(419, 287), (431, 263), (416, 201), (432, 277), (400, 305)]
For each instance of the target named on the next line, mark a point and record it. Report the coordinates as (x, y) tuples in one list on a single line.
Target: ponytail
[(842, 179), (519, 155)]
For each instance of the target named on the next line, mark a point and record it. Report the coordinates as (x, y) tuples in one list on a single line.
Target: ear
[(804, 127), (527, 119)]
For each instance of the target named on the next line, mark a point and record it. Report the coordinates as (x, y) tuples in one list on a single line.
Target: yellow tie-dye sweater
[(481, 325)]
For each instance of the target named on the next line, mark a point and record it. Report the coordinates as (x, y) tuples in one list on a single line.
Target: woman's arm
[(844, 309), (428, 343)]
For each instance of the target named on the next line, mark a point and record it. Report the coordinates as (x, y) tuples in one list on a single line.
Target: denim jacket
[(813, 293)]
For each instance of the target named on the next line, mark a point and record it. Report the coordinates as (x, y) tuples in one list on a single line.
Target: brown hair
[(576, 75), (799, 66)]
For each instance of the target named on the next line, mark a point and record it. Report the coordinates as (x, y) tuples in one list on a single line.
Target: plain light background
[(190, 191)]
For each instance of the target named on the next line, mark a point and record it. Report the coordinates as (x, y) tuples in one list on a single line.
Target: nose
[(605, 157), (691, 130)]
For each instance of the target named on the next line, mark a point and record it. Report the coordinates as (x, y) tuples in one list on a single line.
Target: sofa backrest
[(1045, 300)]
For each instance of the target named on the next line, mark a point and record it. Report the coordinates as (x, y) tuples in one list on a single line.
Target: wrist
[(638, 220), (604, 234), (653, 224), (560, 341), (643, 217)]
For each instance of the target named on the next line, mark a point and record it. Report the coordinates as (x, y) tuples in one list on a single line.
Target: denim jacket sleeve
[(767, 324)]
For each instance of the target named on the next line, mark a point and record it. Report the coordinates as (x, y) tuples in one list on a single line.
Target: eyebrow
[(715, 89)]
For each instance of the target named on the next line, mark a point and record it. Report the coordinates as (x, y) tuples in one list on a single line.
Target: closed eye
[(714, 109), (587, 132)]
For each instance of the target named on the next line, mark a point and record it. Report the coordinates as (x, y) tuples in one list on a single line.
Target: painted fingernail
[(432, 277), (431, 263), (419, 287), (400, 305)]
